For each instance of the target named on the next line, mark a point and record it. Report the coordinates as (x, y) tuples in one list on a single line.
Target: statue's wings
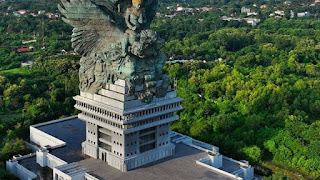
[(93, 23)]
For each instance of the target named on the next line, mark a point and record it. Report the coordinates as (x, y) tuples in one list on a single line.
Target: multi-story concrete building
[(123, 131), (57, 155)]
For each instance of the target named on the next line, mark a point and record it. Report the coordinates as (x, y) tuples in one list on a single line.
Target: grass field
[(16, 71)]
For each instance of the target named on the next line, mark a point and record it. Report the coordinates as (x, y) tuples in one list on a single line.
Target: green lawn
[(16, 71)]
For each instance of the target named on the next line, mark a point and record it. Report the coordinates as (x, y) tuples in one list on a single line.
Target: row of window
[(131, 134), (103, 120), (157, 118), (165, 124), (162, 134), (147, 147), (147, 138), (105, 146), (128, 154), (103, 130), (164, 143), (130, 125), (105, 136), (90, 132), (153, 110), (120, 144), (132, 143), (102, 111), (115, 152), (117, 133), (121, 118), (147, 130), (91, 123), (92, 142)]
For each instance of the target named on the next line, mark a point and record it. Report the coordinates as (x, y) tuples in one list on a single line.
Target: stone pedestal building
[(123, 131)]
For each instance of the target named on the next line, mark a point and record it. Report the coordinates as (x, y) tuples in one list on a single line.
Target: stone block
[(88, 95), (97, 97), (121, 82), (116, 95), (112, 102), (119, 89)]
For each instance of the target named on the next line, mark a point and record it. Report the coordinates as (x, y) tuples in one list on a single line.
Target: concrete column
[(248, 173), (216, 160), (42, 157)]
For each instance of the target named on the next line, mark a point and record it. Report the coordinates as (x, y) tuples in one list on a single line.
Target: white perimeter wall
[(44, 139), (53, 161), (44, 158), (20, 171)]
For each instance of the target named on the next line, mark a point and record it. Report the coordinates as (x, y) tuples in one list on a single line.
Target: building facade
[(123, 131)]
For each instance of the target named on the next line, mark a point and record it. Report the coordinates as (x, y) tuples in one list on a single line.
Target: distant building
[(279, 12), (263, 6), (170, 8), (23, 11), (50, 14), (171, 15), (41, 12), (33, 14), (180, 8), (206, 8), (245, 10), (303, 14), (27, 64), (287, 3), (252, 21), (252, 13), (24, 49), (292, 14), (29, 41)]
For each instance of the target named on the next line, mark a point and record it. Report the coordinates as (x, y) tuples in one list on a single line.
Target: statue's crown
[(137, 1)]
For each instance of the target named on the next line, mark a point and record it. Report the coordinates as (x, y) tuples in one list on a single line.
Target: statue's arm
[(127, 18)]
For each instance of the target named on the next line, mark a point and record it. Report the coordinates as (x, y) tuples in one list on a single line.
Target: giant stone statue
[(115, 41)]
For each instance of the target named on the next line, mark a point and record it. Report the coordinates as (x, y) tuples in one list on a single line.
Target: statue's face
[(137, 6)]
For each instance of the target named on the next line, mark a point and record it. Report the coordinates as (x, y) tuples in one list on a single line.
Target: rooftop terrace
[(191, 160)]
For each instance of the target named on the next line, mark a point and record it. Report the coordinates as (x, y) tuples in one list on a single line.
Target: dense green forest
[(255, 92), (39, 94), (262, 101)]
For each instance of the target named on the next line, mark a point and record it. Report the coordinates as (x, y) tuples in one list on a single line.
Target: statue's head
[(137, 3)]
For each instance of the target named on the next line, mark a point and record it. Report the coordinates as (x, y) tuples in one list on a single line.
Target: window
[(147, 130), (105, 146), (147, 138), (147, 147), (105, 136)]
